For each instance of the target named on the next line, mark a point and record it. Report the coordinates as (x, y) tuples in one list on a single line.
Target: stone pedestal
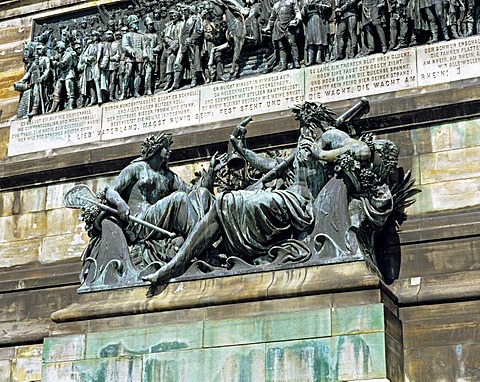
[(277, 326)]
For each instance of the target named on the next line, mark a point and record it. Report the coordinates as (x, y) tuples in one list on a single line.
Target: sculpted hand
[(237, 143), (294, 22), (310, 146), (123, 210), (218, 161)]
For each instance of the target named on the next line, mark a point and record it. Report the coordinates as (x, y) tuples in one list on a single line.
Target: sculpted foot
[(155, 277)]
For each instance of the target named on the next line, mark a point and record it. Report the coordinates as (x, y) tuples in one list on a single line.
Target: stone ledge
[(234, 289), (35, 276), (440, 226), (458, 286), (24, 332)]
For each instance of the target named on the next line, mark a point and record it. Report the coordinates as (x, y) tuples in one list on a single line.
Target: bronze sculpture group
[(144, 47), (324, 203)]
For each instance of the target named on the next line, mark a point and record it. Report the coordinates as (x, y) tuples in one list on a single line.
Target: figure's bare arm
[(258, 162), (359, 149), (122, 185)]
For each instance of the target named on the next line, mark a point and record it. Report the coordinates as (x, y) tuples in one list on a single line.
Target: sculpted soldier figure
[(36, 77), (316, 14), (66, 74), (435, 13), (171, 43), (90, 72), (283, 23), (215, 35), (372, 25), (189, 52), (455, 17), (410, 23), (122, 67), (104, 54), (469, 18), (253, 35), (132, 44), (152, 48), (346, 23), (114, 65), (160, 20), (79, 32)]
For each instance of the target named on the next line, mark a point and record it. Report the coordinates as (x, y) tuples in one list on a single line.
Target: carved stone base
[(317, 323)]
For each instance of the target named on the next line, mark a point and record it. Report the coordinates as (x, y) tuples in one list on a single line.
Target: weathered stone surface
[(356, 298), (269, 307), (5, 370), (308, 360), (44, 302), (59, 371), (62, 221), (7, 352), (21, 252), (36, 276), (395, 360), (430, 364), (9, 110), (454, 136), (438, 288), (413, 313), (66, 348), (27, 331), (4, 139), (440, 257), (56, 193), (113, 369), (441, 225), (144, 340), (445, 196), (148, 320), (242, 288), (450, 165), (27, 365), (278, 327), (23, 226), (449, 330), (14, 307), (243, 363), (16, 29), (358, 319), (62, 247), (235, 363), (188, 365), (12, 62), (7, 226), (32, 199), (359, 356)]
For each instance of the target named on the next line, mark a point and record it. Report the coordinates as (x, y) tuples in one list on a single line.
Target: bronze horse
[(233, 14)]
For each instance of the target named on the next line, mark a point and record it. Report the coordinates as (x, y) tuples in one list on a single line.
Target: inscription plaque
[(153, 113), (257, 95), (379, 73), (449, 61), (50, 131)]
